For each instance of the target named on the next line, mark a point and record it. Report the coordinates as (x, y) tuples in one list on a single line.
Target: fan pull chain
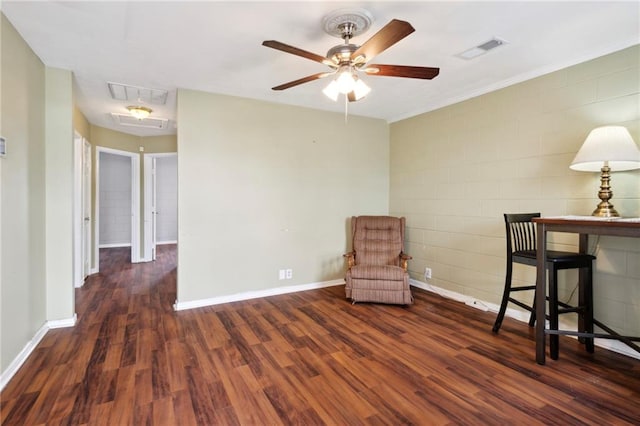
[(346, 109)]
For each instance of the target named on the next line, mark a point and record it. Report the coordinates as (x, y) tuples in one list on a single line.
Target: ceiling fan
[(346, 60)]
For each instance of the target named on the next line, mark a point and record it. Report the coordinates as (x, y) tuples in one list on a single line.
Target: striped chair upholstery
[(377, 270)]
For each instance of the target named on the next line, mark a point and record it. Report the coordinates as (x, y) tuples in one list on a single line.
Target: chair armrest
[(351, 258), (403, 260)]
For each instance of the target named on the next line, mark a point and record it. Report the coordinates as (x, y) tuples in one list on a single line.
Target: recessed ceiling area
[(216, 47)]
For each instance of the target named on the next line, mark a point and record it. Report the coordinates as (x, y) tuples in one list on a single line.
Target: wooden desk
[(583, 226)]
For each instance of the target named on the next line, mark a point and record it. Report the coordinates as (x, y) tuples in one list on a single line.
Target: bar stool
[(521, 248)]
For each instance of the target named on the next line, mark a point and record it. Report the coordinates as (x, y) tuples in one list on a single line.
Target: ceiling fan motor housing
[(341, 53)]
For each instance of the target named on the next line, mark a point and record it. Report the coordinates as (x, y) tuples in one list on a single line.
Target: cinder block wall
[(455, 171)]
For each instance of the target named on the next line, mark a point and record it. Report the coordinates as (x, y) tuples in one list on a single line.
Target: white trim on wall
[(247, 295), (114, 245)]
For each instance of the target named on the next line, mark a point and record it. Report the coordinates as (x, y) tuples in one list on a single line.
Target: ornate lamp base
[(605, 211), (605, 208)]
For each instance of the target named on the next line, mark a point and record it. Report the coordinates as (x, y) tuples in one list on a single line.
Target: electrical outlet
[(282, 274), (289, 273), (427, 273)]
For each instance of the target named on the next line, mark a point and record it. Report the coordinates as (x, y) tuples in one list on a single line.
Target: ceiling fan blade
[(296, 51), (301, 81), (389, 35), (426, 73)]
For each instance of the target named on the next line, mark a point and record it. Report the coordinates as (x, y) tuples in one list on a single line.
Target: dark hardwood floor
[(304, 358)]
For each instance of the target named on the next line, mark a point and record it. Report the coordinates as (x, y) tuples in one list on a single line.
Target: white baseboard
[(612, 345), (17, 362), (179, 306), (63, 323), (114, 245)]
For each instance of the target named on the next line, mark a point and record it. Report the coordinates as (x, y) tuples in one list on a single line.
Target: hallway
[(97, 371)]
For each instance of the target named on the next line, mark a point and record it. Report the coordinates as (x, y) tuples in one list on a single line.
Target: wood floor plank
[(308, 358), (183, 407), (163, 411)]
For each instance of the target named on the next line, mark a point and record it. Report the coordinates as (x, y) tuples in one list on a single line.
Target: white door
[(161, 202), (150, 208), (78, 165), (86, 208), (154, 209)]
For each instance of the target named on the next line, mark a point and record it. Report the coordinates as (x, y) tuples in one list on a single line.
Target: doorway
[(117, 221), (160, 202)]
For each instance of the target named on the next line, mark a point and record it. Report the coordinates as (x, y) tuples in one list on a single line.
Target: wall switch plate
[(281, 274), (289, 274)]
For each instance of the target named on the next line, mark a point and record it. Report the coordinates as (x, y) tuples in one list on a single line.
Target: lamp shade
[(612, 144)]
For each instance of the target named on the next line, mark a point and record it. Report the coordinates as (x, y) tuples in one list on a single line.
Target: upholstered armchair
[(377, 266)]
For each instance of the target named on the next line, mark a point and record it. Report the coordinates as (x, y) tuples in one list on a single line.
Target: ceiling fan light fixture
[(345, 60), (139, 112)]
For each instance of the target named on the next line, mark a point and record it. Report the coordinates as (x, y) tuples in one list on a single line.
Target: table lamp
[(607, 149)]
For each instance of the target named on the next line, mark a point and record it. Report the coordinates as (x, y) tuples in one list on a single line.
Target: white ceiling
[(216, 47)]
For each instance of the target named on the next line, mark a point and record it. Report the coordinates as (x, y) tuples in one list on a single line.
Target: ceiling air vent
[(481, 49), (124, 92), (147, 123)]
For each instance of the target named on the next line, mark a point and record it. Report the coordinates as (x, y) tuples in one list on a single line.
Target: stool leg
[(582, 304), (505, 298), (554, 339), (588, 311), (532, 318)]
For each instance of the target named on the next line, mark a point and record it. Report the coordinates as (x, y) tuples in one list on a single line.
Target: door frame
[(86, 204), (135, 202), (78, 216), (149, 207)]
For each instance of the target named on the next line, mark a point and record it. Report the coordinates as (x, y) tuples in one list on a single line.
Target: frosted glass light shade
[(345, 82), (331, 91), (612, 144), (360, 90)]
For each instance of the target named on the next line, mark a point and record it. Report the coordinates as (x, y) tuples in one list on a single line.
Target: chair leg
[(554, 339), (505, 299)]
